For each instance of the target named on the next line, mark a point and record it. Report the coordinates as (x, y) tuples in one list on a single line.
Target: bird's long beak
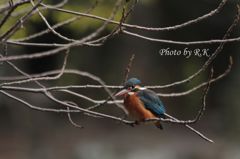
[(122, 92)]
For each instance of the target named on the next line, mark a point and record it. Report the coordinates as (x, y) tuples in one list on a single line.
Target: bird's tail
[(158, 124)]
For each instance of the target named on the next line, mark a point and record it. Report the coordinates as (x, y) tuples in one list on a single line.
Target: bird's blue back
[(152, 102)]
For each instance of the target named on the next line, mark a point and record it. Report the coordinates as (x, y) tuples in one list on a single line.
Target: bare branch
[(9, 7), (5, 18), (49, 26), (36, 107), (54, 26), (208, 42), (190, 22), (67, 71), (19, 23), (69, 116), (227, 71), (40, 78)]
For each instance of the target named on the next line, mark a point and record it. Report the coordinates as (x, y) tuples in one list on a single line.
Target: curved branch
[(175, 27)]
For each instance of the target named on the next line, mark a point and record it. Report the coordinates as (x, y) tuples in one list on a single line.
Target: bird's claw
[(132, 124)]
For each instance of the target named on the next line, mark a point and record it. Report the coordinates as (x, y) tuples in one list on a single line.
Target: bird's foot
[(134, 123)]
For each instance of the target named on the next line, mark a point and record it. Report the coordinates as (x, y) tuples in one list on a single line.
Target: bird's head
[(132, 85)]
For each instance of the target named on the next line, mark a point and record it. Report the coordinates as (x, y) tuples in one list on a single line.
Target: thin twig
[(69, 115), (128, 68)]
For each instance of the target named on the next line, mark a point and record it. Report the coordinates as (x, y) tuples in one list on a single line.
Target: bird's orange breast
[(136, 108)]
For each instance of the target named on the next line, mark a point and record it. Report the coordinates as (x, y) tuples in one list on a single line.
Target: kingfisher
[(141, 103)]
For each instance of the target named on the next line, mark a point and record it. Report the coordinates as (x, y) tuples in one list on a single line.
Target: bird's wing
[(152, 102)]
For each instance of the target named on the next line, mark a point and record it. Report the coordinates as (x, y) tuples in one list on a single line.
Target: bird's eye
[(132, 87)]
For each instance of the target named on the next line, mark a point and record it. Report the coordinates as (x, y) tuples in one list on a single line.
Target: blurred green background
[(26, 133)]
